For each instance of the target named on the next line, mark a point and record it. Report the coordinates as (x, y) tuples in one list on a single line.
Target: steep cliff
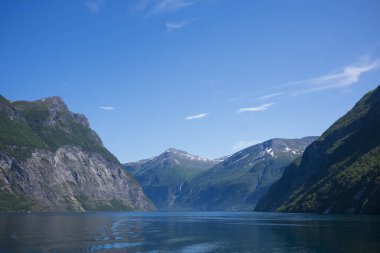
[(338, 173), (51, 160)]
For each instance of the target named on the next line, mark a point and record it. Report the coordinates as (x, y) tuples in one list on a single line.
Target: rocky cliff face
[(50, 160)]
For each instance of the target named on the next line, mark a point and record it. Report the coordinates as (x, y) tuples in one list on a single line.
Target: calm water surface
[(187, 232)]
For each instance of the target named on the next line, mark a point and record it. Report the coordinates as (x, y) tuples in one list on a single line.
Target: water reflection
[(187, 232)]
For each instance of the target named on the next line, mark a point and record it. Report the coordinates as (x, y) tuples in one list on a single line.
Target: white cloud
[(108, 108), (244, 144), (347, 76), (262, 107), (197, 116), (154, 7), (94, 5), (170, 26), (163, 6), (271, 95)]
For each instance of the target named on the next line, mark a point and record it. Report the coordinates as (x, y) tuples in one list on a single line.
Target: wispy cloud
[(108, 108), (262, 107), (244, 144), (94, 5), (345, 77), (197, 116), (163, 6), (271, 95), (171, 26), (154, 7)]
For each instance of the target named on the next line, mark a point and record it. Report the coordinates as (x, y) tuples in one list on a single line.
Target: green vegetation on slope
[(14, 201), (16, 137), (340, 172), (111, 205), (31, 127)]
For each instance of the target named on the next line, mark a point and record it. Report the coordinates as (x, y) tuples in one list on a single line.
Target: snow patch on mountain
[(294, 151), (270, 152), (187, 156)]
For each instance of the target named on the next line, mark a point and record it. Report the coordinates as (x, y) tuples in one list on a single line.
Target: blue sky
[(205, 76)]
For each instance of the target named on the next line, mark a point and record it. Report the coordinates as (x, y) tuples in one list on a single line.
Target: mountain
[(51, 160), (338, 173), (240, 180), (163, 176)]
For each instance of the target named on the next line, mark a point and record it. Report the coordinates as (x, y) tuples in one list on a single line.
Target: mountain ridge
[(237, 182), (166, 180), (162, 176), (338, 173), (51, 160)]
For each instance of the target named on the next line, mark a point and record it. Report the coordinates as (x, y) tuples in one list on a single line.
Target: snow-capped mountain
[(163, 176), (240, 180)]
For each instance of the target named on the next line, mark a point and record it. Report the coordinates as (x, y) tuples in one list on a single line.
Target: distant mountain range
[(176, 180), (51, 160), (338, 173), (239, 181), (163, 176)]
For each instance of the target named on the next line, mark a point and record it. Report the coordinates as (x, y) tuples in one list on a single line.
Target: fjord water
[(187, 232)]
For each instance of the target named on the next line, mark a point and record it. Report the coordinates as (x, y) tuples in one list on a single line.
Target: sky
[(206, 76)]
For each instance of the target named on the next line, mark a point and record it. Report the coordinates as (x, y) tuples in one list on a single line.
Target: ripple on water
[(118, 245), (188, 232), (179, 240), (200, 248)]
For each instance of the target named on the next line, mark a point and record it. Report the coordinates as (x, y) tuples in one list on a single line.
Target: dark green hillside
[(340, 172), (46, 124), (16, 136)]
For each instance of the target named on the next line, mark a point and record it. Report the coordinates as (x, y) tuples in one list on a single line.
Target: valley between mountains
[(51, 160)]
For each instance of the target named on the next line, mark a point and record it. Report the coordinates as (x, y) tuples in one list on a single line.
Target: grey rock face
[(58, 112), (51, 160), (71, 179)]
